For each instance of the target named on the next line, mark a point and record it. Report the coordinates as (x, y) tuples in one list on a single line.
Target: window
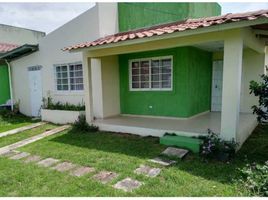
[(69, 77), (151, 74)]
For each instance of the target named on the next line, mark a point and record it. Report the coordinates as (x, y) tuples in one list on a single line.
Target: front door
[(35, 83), (216, 94)]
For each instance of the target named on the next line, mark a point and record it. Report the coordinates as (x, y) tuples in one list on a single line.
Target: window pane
[(145, 67), (71, 80), (166, 70), (80, 87), (78, 67), (64, 74), (135, 71), (71, 74), (72, 87), (135, 65), (58, 69), (144, 77), (155, 84), (135, 85), (166, 62), (135, 78), (58, 81), (79, 74), (166, 84), (58, 75), (155, 77), (65, 87), (64, 81), (71, 67), (144, 84), (79, 80), (166, 77), (64, 68)]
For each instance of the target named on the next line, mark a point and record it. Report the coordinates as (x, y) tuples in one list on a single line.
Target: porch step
[(192, 144)]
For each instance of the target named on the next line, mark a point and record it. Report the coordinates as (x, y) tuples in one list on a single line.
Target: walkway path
[(33, 139), (24, 128)]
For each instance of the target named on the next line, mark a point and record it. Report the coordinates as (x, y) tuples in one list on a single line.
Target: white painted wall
[(88, 26), (20, 36)]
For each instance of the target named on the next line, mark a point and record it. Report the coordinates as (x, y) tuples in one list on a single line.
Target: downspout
[(10, 84)]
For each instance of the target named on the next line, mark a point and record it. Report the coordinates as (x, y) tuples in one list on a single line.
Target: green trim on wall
[(191, 94), (4, 84), (138, 15)]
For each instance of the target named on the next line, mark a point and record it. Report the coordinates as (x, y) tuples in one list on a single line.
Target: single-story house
[(180, 77), (11, 38)]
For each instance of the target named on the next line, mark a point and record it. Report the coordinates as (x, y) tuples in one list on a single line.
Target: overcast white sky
[(49, 16)]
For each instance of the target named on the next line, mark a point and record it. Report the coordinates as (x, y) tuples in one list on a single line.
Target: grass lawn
[(12, 122), (10, 139), (122, 154)]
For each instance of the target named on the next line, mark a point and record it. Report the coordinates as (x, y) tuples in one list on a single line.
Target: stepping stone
[(19, 156), (128, 185), (175, 152), (105, 177), (163, 161), (9, 153), (81, 171), (147, 171), (33, 158), (47, 162), (64, 166)]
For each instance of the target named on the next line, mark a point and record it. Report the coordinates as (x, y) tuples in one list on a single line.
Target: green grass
[(10, 139), (12, 122), (123, 154)]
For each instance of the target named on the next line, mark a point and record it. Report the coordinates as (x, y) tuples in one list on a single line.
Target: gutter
[(10, 84)]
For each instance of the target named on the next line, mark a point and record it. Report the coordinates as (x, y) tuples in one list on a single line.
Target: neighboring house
[(52, 72), (11, 38), (181, 77)]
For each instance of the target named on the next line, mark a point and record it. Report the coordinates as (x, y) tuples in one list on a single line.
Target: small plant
[(216, 148), (260, 90), (49, 104), (82, 125), (254, 178)]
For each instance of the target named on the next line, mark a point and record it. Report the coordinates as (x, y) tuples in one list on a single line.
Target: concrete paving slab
[(19, 156), (81, 171), (9, 153), (147, 171), (48, 162), (64, 166), (128, 184), (105, 176), (163, 161), (24, 128), (32, 159), (175, 152), (33, 139)]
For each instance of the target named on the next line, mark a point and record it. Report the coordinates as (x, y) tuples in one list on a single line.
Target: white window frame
[(150, 82), (68, 77)]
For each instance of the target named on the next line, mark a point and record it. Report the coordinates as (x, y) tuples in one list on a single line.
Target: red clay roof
[(172, 27), (5, 47)]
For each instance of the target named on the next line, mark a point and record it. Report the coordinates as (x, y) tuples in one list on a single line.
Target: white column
[(87, 87), (97, 89), (232, 70)]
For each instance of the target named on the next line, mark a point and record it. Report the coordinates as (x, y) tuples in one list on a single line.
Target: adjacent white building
[(53, 72)]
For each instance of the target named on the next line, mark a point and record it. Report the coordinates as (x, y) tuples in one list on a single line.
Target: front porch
[(113, 104), (157, 126)]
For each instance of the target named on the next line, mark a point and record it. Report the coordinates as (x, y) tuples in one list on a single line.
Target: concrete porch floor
[(158, 126)]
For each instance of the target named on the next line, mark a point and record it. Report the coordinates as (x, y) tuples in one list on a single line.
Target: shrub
[(254, 178), (216, 148), (81, 125), (260, 90), (49, 104)]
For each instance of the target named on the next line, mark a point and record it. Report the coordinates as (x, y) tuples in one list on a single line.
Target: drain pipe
[(10, 84)]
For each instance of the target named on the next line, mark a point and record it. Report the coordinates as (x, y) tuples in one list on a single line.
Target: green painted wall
[(4, 84), (192, 72), (138, 15)]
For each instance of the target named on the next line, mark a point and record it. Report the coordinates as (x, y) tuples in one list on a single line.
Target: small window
[(151, 74), (69, 77)]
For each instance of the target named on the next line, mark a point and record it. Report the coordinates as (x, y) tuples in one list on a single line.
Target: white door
[(216, 94), (35, 81)]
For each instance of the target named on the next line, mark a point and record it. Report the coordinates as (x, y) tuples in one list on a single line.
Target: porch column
[(97, 89), (87, 87), (232, 70)]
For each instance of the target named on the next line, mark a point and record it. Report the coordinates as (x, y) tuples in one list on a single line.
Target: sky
[(47, 17)]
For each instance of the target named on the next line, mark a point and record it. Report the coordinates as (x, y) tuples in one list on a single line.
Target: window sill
[(68, 93)]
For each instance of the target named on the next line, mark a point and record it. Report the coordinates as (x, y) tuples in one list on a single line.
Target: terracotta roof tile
[(173, 27), (5, 47)]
